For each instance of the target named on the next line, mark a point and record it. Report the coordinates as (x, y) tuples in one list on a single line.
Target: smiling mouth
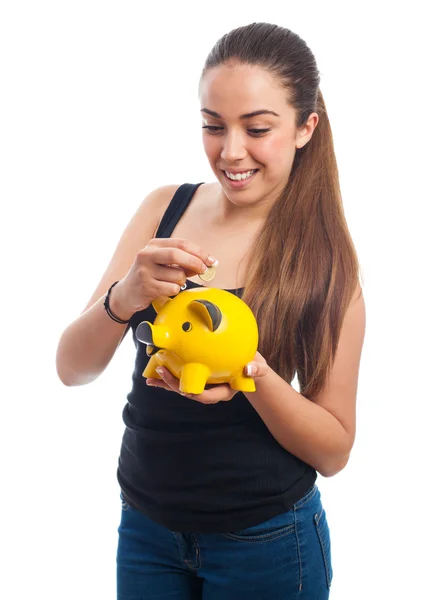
[(251, 171)]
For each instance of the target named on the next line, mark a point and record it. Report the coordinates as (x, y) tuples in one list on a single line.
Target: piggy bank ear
[(160, 302), (208, 312)]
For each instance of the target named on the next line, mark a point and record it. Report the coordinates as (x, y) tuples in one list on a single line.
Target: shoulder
[(159, 199), (156, 203)]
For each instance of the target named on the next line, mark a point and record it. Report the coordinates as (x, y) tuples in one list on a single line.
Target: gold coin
[(209, 274)]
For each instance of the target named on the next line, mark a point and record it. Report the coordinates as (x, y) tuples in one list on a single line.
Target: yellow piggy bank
[(203, 336)]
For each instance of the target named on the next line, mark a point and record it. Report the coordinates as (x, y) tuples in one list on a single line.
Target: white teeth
[(239, 176)]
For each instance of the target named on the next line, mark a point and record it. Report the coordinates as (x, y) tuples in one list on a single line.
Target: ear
[(159, 303), (305, 133), (208, 312)]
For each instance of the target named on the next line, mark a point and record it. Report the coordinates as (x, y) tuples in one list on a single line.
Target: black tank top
[(194, 467)]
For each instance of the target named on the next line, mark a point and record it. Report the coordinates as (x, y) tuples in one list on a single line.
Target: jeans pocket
[(323, 532), (271, 529)]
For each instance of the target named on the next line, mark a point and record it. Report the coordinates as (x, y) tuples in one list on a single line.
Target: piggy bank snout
[(144, 333), (153, 336)]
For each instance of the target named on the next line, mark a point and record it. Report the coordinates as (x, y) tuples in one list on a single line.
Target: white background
[(98, 107)]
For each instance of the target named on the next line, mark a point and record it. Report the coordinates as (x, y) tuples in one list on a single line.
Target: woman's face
[(228, 94)]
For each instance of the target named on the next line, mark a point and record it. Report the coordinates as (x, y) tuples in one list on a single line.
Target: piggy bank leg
[(150, 370), (193, 378), (242, 383)]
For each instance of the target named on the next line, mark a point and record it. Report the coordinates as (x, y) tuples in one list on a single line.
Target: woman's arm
[(321, 431), (88, 344)]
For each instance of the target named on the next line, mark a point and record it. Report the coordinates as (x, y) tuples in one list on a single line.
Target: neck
[(227, 213)]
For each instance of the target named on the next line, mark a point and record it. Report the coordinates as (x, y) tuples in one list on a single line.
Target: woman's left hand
[(214, 393)]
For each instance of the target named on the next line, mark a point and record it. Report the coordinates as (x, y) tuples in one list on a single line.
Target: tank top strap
[(176, 209)]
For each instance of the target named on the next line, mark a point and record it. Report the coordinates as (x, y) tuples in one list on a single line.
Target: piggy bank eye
[(187, 326)]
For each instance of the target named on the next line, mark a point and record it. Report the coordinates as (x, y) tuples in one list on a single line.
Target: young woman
[(218, 491)]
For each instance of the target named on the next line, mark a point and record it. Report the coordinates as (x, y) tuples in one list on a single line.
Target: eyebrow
[(246, 116)]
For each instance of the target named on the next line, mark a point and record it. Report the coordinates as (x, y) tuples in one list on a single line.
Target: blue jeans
[(285, 558)]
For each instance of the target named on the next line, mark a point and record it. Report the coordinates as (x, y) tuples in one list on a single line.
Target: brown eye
[(258, 131), (187, 326), (212, 129), (254, 132)]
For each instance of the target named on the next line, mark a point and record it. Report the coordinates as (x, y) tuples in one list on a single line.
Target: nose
[(144, 333), (233, 148)]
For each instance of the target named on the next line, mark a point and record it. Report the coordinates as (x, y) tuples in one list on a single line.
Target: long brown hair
[(303, 268)]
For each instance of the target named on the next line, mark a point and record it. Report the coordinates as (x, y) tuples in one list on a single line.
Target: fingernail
[(159, 370), (250, 370), (213, 260)]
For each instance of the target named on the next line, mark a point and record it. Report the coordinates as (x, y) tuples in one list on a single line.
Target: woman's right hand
[(159, 269)]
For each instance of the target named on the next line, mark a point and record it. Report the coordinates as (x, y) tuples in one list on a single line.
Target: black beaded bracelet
[(107, 307)]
